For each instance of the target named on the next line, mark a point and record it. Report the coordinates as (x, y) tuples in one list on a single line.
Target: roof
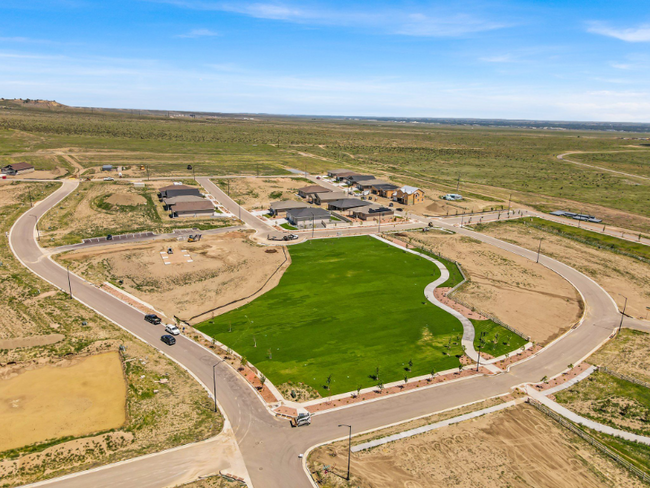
[(372, 208), (182, 199), (177, 187), (287, 204), (20, 166), (386, 186), (310, 212), (346, 203), (332, 196), (314, 189), (338, 171), (409, 189), (372, 182), (346, 174), (193, 206), (362, 177)]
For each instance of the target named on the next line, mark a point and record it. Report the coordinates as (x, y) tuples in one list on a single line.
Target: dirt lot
[(526, 296), (615, 273), (100, 208), (74, 397), (517, 447), (258, 193), (224, 268), (165, 406)]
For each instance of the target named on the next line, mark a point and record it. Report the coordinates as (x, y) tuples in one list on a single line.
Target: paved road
[(271, 447)]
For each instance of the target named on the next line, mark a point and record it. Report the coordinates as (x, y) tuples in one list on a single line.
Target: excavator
[(194, 238)]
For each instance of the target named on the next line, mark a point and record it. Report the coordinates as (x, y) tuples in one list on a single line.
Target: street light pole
[(622, 314), (214, 385), (69, 283), (539, 249), (349, 447), (480, 343)]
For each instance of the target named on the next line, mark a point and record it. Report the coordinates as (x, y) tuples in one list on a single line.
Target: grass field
[(601, 241), (497, 340), (344, 308), (635, 161)]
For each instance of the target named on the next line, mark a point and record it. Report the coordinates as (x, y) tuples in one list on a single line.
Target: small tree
[(406, 379), (460, 368), (380, 385), (377, 373), (329, 381), (433, 373), (544, 379), (262, 379), (359, 390), (570, 366), (410, 365), (244, 362), (270, 354)]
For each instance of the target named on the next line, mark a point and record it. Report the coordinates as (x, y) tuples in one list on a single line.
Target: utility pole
[(622, 314), (228, 187), (458, 183), (31, 203), (539, 249), (69, 283), (214, 385), (349, 447), (147, 172), (480, 343)]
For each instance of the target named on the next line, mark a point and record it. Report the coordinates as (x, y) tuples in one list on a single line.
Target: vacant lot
[(351, 301), (628, 353), (617, 274), (611, 401), (258, 193), (165, 406), (74, 397), (224, 268), (526, 296), (100, 208), (517, 447)]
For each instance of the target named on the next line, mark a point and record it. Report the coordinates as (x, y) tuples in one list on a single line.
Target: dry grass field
[(526, 296), (224, 268), (617, 274), (165, 406), (628, 353), (518, 447), (74, 397), (258, 193)]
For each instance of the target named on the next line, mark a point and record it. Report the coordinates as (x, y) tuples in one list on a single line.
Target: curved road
[(270, 447)]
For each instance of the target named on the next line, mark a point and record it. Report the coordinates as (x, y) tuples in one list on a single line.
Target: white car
[(172, 329), (108, 178)]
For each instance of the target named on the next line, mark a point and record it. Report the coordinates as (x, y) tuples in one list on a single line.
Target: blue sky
[(534, 59)]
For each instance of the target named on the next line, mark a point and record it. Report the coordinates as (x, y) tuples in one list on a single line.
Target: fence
[(622, 376), (594, 442)]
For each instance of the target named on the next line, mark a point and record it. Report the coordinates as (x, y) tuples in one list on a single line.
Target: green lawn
[(497, 340), (343, 308), (288, 226)]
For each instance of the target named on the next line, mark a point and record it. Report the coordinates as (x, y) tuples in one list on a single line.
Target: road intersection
[(270, 447)]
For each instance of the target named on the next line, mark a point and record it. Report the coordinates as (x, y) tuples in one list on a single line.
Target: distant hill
[(27, 102)]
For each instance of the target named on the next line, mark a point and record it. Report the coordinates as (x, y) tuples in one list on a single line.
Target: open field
[(73, 398), (516, 447), (258, 193), (632, 161), (224, 268), (344, 301), (618, 274), (628, 353), (526, 296), (100, 208), (492, 162), (496, 340), (165, 406), (611, 401)]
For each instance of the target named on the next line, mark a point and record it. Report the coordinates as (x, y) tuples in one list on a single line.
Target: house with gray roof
[(312, 216), (279, 208), (193, 209), (346, 204)]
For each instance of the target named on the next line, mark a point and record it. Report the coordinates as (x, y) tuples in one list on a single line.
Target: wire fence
[(622, 376), (591, 440)]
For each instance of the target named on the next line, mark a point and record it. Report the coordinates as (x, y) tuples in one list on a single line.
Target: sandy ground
[(70, 398), (524, 295), (517, 447), (255, 193), (618, 275), (224, 268), (41, 340)]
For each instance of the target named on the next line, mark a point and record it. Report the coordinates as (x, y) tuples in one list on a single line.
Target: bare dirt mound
[(70, 398), (517, 447), (126, 199)]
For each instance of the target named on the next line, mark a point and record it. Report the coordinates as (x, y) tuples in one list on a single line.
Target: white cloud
[(194, 33), (631, 34)]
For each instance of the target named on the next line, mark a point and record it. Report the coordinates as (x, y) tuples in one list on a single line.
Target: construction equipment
[(170, 250), (194, 238)]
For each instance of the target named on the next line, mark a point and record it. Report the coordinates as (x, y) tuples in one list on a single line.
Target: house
[(192, 209), (452, 197), (409, 195), (321, 198), (107, 167), (178, 190), (352, 179), (17, 169), (346, 204), (386, 190), (278, 208), (368, 184), (333, 173), (312, 216), (372, 211), (169, 203), (343, 176), (312, 190)]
